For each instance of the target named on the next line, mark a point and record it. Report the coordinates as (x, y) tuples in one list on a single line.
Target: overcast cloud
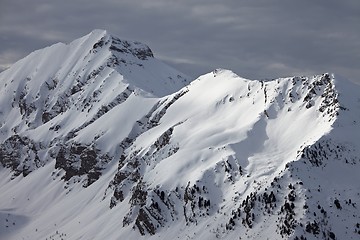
[(256, 39)]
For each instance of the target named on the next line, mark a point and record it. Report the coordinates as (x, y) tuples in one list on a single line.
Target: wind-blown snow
[(99, 140)]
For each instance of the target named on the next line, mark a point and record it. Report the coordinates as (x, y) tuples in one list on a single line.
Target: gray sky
[(254, 38)]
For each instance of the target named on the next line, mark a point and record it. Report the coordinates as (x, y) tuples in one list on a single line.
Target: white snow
[(220, 123)]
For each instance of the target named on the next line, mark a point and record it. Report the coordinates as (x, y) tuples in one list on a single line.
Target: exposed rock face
[(78, 160), (20, 154)]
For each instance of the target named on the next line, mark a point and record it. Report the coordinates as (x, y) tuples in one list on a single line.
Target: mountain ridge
[(92, 149)]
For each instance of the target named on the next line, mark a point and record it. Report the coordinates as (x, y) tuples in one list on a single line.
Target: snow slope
[(99, 140)]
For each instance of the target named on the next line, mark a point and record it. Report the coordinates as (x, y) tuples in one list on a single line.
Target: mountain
[(100, 140)]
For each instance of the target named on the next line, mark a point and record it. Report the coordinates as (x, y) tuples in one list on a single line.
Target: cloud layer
[(256, 39)]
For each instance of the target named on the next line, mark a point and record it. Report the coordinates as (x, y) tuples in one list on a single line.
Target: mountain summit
[(100, 140)]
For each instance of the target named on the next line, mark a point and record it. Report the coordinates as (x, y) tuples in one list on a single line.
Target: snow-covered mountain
[(100, 140)]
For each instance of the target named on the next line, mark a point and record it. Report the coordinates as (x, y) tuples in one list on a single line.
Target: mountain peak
[(99, 52), (103, 39), (100, 131)]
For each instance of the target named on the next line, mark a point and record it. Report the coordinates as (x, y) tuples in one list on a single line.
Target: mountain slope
[(98, 148), (69, 87)]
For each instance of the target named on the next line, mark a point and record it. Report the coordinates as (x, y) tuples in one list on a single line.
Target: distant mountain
[(100, 140)]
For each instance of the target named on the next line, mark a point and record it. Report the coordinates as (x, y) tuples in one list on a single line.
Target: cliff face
[(98, 139)]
